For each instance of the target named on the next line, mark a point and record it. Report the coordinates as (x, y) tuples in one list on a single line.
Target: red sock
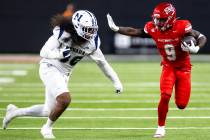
[(163, 109)]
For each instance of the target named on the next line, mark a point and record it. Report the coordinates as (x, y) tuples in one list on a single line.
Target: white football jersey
[(51, 54), (65, 65)]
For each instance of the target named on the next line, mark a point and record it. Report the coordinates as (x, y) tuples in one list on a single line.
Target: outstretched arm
[(130, 31), (100, 60)]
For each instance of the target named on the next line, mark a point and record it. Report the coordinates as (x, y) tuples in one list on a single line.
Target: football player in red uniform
[(168, 32)]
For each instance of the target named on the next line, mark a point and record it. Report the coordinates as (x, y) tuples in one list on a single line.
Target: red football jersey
[(169, 42)]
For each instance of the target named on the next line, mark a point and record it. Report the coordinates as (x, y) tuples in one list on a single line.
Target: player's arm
[(130, 31), (194, 48), (51, 48), (201, 39), (100, 60)]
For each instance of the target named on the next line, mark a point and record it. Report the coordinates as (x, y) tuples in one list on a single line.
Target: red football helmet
[(164, 15)]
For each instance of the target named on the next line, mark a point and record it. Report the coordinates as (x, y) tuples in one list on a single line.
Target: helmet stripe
[(93, 18)]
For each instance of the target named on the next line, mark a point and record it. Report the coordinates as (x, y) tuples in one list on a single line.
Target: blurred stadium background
[(96, 112), (25, 23)]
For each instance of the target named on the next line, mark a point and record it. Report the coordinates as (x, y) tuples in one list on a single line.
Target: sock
[(35, 110), (163, 109), (161, 127), (49, 123)]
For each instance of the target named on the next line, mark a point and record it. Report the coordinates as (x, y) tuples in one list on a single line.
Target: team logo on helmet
[(169, 9)]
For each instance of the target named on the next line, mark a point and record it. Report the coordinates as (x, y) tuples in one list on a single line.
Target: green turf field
[(97, 113)]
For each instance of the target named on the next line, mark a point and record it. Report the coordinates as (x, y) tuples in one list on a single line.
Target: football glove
[(118, 88), (190, 47), (111, 23), (65, 52)]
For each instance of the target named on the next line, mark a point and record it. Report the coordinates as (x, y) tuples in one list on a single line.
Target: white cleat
[(160, 132), (8, 117), (47, 132)]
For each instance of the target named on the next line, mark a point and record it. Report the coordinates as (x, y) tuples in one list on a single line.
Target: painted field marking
[(40, 94), (101, 101), (6, 80), (102, 84), (131, 118), (14, 72), (107, 128), (129, 109)]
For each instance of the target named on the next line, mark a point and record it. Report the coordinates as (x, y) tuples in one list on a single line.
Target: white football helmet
[(85, 24)]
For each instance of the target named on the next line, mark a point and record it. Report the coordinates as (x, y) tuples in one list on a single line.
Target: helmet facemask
[(162, 23), (89, 32)]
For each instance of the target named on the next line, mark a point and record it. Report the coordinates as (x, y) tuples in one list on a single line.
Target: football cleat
[(8, 117), (47, 132), (160, 132)]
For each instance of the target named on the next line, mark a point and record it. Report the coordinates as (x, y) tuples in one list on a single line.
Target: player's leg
[(62, 102), (57, 98), (13, 112), (36, 110), (182, 88), (167, 81)]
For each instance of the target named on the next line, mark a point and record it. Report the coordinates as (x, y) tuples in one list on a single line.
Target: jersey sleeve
[(97, 56), (147, 27), (185, 26), (50, 49), (60, 34), (188, 27)]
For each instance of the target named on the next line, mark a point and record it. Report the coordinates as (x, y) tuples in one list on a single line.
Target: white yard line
[(101, 101), (14, 72), (130, 109), (131, 118), (102, 84), (107, 128), (40, 94), (6, 80), (83, 88)]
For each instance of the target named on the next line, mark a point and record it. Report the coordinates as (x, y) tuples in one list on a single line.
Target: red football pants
[(181, 80)]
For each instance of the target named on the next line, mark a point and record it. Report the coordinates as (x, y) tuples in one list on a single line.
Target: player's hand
[(118, 88), (111, 23), (65, 52), (192, 48)]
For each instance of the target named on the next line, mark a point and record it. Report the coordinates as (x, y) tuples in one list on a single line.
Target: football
[(188, 39)]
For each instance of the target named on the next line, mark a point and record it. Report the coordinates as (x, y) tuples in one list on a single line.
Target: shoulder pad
[(60, 34), (148, 26), (184, 26)]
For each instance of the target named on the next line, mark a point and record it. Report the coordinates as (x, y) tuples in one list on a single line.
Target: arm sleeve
[(100, 60)]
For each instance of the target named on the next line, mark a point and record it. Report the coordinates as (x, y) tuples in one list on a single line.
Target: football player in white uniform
[(71, 41)]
